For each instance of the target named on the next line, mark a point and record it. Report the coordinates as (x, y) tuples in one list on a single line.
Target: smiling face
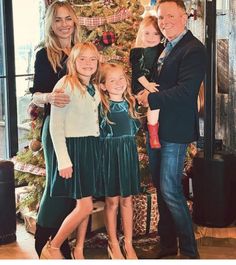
[(171, 20), (115, 84), (86, 63), (63, 25), (150, 36)]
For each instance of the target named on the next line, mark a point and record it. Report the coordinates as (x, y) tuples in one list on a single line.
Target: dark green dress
[(119, 156), (143, 63), (52, 210), (84, 154)]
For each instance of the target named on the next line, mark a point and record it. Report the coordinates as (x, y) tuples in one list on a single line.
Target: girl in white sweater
[(75, 134)]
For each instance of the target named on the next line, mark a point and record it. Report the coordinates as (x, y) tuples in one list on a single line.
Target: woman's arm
[(44, 81), (57, 98)]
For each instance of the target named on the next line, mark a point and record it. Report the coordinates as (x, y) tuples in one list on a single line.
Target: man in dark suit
[(180, 71)]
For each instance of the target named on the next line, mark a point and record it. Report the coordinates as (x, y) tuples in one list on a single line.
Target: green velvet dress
[(119, 156), (84, 155), (53, 210), (143, 63)]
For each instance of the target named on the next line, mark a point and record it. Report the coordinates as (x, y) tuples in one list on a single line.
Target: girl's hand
[(58, 98), (66, 173), (152, 87)]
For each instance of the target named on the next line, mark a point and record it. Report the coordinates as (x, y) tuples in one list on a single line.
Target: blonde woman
[(75, 135), (61, 33)]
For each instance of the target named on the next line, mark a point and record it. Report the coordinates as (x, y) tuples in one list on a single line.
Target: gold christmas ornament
[(35, 145)]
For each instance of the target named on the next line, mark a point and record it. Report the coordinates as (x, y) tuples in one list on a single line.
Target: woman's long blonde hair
[(147, 21), (72, 76), (105, 69), (52, 44)]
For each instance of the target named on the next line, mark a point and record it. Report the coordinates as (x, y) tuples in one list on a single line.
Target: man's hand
[(142, 98), (58, 98), (66, 173)]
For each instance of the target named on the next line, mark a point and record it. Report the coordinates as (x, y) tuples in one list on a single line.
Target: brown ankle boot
[(153, 135)]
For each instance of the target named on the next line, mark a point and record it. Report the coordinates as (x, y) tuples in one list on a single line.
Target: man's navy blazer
[(179, 79)]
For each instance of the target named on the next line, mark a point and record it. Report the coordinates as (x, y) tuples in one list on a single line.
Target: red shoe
[(153, 136)]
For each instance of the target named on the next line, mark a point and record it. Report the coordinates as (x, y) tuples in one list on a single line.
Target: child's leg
[(153, 116), (111, 208), (126, 206), (80, 238), (153, 126), (82, 210)]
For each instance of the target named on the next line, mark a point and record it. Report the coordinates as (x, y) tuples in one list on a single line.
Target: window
[(21, 29), (28, 32)]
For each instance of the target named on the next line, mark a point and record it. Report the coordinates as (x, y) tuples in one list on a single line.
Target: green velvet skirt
[(83, 152), (120, 174)]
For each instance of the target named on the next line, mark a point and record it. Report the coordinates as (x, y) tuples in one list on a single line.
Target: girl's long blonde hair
[(147, 21), (105, 69), (72, 76), (52, 44)]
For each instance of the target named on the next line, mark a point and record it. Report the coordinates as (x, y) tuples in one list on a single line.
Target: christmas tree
[(29, 162), (112, 26)]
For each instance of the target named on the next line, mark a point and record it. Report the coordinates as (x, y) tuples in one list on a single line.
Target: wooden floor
[(213, 243)]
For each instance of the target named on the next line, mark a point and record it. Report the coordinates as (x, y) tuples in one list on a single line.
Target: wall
[(226, 102), (225, 127)]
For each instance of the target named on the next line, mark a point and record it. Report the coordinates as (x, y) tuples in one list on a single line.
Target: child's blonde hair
[(105, 69), (147, 21), (72, 76), (52, 44)]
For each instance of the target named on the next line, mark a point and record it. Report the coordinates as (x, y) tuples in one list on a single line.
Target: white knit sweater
[(77, 119)]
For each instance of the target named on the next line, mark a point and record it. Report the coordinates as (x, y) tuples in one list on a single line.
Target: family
[(90, 124)]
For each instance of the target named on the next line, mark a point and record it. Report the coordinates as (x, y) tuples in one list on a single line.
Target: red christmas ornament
[(108, 37)]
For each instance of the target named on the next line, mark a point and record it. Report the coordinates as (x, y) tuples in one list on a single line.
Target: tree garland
[(93, 22)]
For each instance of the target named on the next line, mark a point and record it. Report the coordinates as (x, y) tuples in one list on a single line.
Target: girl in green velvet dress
[(120, 165), (75, 135), (143, 58)]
